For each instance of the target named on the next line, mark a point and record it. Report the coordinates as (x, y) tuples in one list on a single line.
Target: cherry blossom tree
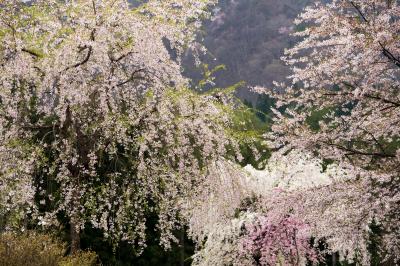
[(346, 69), (242, 217), (96, 124), (333, 208), (286, 242)]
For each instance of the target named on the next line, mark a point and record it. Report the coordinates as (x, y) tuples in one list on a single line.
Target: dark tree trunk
[(66, 129), (75, 237), (182, 248), (75, 231), (334, 259)]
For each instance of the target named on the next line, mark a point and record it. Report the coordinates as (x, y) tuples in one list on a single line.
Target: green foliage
[(317, 116), (208, 76), (84, 258), (248, 128), (375, 241), (263, 108), (29, 249)]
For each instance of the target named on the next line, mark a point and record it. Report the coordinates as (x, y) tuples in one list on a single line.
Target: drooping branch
[(378, 143)]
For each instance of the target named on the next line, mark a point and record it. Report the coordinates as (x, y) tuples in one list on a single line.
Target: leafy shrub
[(82, 258), (37, 249)]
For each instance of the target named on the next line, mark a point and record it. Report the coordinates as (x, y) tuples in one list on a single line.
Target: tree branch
[(131, 78), (370, 96), (359, 11), (390, 56), (31, 52), (113, 59), (85, 60), (376, 97), (385, 51), (357, 152)]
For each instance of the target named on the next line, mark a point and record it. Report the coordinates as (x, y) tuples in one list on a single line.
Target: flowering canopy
[(285, 242), (347, 65), (258, 217), (96, 125)]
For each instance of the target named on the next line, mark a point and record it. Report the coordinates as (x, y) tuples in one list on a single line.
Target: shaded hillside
[(249, 37)]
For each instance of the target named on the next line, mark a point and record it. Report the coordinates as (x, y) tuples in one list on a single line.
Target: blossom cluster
[(286, 242)]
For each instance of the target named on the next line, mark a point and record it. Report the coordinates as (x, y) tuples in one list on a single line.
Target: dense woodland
[(205, 133)]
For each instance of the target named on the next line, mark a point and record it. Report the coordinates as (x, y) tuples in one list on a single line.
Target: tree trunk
[(75, 229), (67, 129), (182, 248), (334, 259), (75, 237)]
